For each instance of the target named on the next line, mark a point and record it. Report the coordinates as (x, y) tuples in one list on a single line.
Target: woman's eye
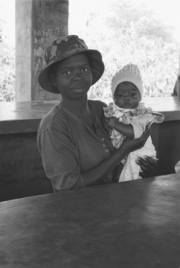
[(67, 72), (85, 69)]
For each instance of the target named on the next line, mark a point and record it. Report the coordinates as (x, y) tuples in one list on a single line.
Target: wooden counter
[(25, 116), (21, 170), (21, 117), (133, 224)]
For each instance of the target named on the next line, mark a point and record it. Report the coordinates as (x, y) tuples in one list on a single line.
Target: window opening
[(142, 32)]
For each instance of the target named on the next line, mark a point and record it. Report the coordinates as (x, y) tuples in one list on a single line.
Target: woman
[(75, 148)]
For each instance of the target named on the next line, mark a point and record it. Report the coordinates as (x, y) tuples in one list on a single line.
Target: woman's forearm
[(96, 175), (117, 172)]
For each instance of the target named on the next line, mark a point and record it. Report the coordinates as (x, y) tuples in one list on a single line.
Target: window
[(143, 32)]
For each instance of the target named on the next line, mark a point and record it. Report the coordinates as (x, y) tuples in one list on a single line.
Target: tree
[(132, 33), (138, 12), (7, 68)]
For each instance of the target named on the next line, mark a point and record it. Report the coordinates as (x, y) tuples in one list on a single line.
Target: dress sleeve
[(60, 160)]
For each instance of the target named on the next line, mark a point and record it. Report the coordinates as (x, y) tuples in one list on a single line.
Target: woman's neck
[(82, 110), (77, 107)]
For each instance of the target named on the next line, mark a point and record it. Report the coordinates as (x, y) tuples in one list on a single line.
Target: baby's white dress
[(138, 118)]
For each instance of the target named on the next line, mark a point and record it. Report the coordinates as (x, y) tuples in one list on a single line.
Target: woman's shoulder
[(52, 118), (98, 106), (98, 103)]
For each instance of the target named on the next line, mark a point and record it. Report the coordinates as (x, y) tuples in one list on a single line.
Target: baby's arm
[(125, 129)]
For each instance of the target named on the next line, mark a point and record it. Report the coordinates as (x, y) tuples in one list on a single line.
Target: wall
[(21, 170), (38, 23)]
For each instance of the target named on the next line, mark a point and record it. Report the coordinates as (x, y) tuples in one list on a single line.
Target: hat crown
[(129, 73), (63, 47)]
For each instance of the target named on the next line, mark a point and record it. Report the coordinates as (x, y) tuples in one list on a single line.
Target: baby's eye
[(119, 95), (132, 95)]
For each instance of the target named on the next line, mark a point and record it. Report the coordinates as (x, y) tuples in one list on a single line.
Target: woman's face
[(127, 96), (73, 77)]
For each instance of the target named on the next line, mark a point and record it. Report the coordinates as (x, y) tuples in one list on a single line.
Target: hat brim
[(97, 68)]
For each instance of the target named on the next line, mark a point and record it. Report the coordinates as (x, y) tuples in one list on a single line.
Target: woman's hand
[(148, 166), (135, 144)]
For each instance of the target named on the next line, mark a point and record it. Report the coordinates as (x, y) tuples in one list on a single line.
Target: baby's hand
[(112, 122)]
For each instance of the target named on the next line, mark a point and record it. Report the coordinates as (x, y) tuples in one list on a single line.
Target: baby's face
[(127, 96)]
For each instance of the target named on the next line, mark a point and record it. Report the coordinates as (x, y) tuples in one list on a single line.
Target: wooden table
[(130, 224)]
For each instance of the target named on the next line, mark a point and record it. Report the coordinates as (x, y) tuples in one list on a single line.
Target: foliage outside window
[(131, 32), (7, 67)]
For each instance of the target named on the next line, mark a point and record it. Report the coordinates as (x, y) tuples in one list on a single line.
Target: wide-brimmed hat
[(129, 73), (63, 48)]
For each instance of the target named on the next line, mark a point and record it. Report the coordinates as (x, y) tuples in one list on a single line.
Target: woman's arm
[(96, 175), (117, 172)]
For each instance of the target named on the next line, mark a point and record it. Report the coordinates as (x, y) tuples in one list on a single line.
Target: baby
[(128, 117)]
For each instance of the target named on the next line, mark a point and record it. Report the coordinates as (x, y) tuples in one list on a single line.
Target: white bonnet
[(129, 73)]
